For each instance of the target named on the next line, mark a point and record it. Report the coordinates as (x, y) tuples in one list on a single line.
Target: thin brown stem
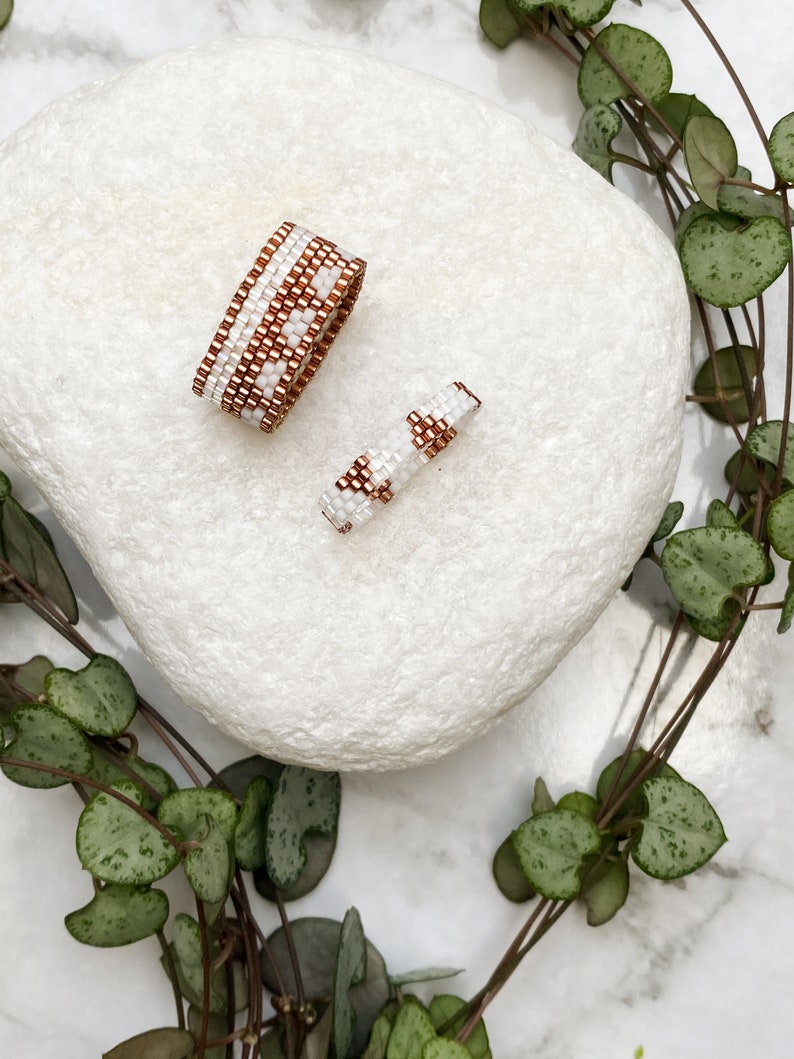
[(715, 44), (570, 56), (605, 814), (162, 726), (201, 1043), (293, 953), (787, 387), (121, 763), (27, 595), (170, 967), (156, 726), (87, 781)]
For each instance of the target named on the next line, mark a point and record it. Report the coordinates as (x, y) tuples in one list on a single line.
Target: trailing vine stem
[(674, 190), (546, 912), (170, 737), (168, 961), (729, 68)]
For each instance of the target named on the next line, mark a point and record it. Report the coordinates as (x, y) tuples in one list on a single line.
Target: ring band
[(279, 326), (382, 470)]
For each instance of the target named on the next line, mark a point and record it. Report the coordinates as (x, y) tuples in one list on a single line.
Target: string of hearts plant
[(330, 992)]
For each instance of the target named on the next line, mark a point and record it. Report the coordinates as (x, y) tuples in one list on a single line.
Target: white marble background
[(702, 967)]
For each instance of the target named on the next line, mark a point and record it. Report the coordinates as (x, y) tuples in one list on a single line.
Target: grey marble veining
[(702, 967)]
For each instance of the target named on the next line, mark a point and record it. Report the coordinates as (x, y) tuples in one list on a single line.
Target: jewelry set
[(275, 335)]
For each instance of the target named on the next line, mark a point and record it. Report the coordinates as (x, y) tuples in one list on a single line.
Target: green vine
[(273, 826)]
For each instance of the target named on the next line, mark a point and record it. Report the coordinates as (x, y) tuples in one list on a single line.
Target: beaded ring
[(279, 326), (382, 470)]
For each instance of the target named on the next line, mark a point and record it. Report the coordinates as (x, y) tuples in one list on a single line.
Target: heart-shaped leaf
[(640, 57), (746, 478), (669, 521), (316, 941), (319, 854), (29, 549), (710, 154), (580, 802), (729, 397), (633, 805), (186, 950), (677, 108), (21, 683), (251, 831), (349, 970), (719, 514), (184, 812), (305, 800), (443, 1010), (109, 767), (378, 1038), (30, 675), (155, 1044), (101, 698), (764, 443), (681, 831), (781, 148), (509, 874), (780, 525), (607, 894), (551, 847), (598, 127), (411, 1031), (45, 737), (728, 267), (787, 613), (499, 22), (5, 486), (708, 566), (700, 209), (239, 774), (209, 866), (744, 202), (715, 629), (118, 915), (206, 816), (117, 844), (580, 12)]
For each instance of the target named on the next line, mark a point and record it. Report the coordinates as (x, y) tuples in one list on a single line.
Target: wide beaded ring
[(279, 326), (382, 470)]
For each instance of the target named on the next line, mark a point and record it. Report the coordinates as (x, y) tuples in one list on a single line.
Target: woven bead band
[(383, 469), (279, 326)]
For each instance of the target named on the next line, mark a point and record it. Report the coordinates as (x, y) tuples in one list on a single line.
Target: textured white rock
[(132, 211)]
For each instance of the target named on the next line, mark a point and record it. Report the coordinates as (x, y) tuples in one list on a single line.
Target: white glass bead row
[(253, 309)]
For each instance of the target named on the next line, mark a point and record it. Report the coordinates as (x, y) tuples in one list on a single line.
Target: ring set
[(274, 336)]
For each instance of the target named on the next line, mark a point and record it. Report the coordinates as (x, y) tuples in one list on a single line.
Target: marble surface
[(699, 967)]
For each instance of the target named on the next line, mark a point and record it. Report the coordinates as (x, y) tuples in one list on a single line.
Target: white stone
[(135, 208)]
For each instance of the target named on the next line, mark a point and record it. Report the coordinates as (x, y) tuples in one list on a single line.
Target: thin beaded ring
[(279, 326), (382, 470)]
